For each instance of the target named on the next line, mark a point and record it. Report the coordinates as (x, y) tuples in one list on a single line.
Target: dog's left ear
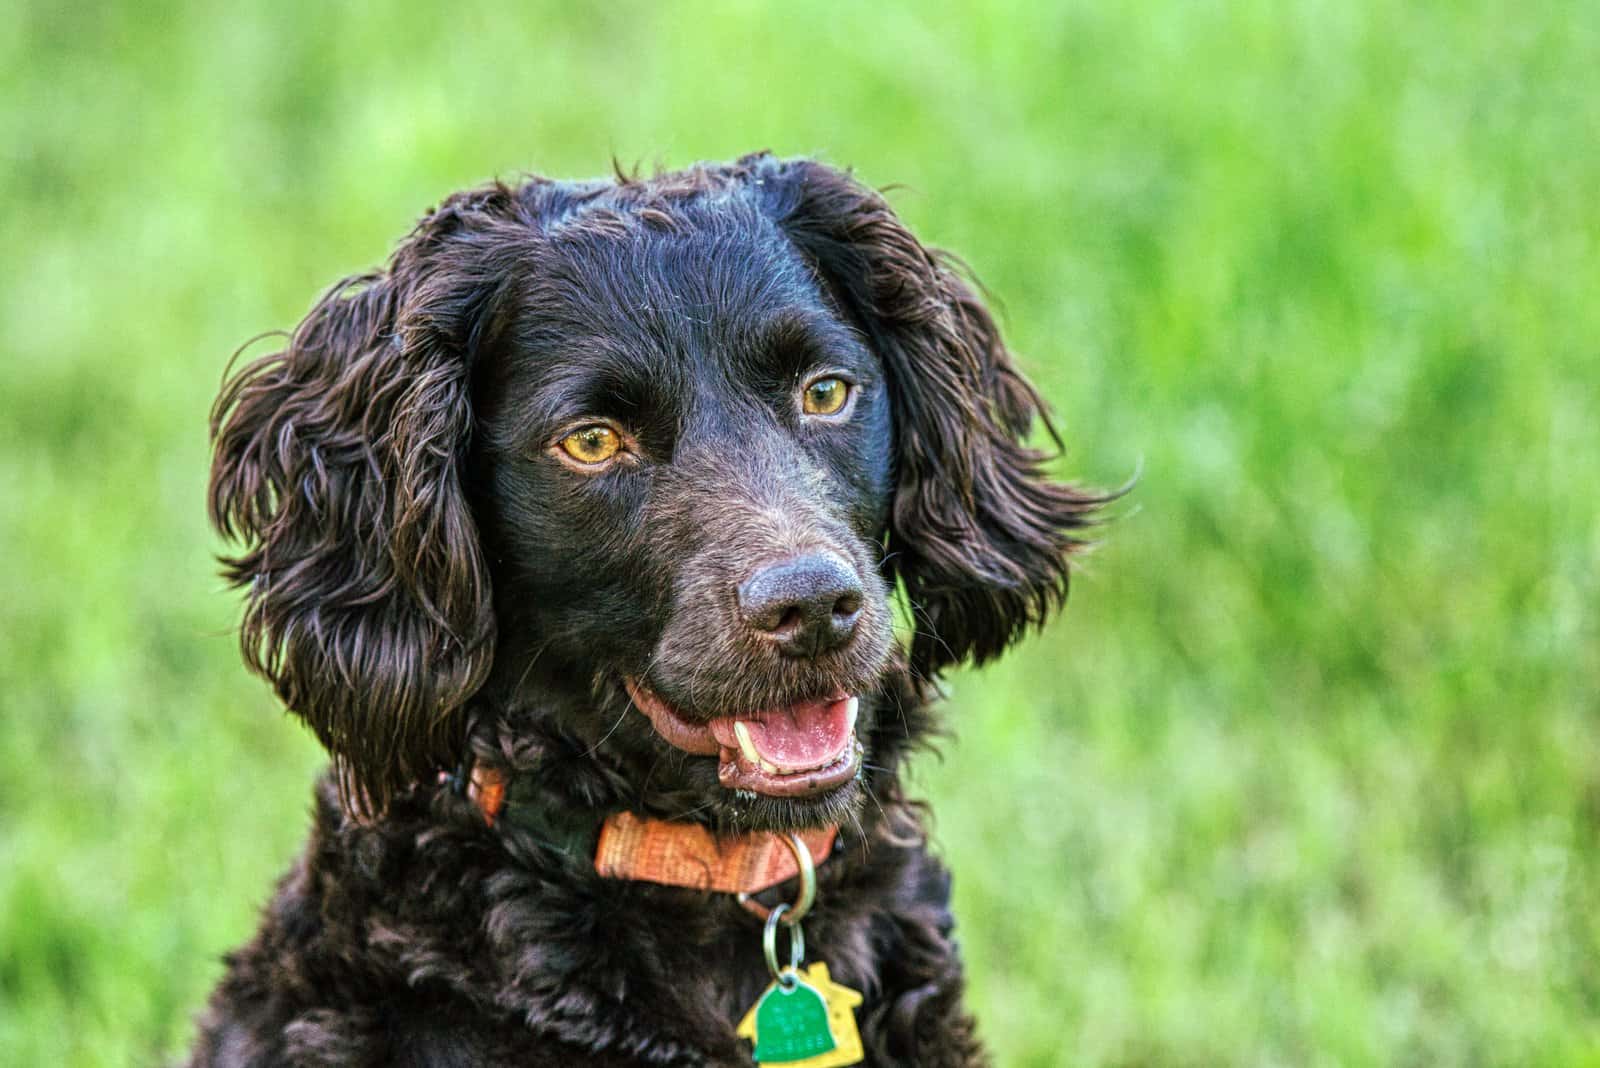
[(339, 464), (978, 534)]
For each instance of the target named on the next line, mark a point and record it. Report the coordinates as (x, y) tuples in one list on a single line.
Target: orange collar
[(675, 854)]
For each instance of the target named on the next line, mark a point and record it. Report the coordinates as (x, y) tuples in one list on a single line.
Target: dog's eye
[(592, 444), (825, 396)]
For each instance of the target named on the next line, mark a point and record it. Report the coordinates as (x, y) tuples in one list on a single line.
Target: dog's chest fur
[(435, 940)]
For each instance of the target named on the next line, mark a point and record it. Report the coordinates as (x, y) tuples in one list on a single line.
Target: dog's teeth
[(850, 714), (746, 746), (770, 769)]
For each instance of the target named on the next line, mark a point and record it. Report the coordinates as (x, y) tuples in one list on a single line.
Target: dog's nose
[(806, 604)]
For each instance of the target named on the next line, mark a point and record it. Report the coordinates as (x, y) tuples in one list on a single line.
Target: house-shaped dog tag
[(810, 1024)]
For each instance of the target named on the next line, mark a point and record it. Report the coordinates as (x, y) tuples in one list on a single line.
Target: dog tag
[(810, 1023)]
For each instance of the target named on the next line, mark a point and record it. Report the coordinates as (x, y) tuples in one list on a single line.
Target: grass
[(1309, 773)]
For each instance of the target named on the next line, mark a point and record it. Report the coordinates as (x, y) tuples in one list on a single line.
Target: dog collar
[(658, 851), (803, 1018)]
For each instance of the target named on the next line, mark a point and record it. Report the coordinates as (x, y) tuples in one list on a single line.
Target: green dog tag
[(811, 1024), (792, 1024)]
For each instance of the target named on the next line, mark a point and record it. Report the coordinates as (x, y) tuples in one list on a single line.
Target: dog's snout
[(806, 604)]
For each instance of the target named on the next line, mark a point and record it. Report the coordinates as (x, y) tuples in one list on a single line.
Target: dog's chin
[(743, 810), (782, 767)]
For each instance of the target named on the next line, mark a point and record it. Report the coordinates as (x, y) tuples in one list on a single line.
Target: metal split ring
[(797, 946), (792, 914)]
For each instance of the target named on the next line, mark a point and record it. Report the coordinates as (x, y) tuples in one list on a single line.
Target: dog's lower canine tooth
[(746, 746)]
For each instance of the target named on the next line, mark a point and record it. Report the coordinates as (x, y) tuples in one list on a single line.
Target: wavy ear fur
[(338, 463), (978, 534)]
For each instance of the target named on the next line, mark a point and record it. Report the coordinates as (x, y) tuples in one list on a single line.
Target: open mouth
[(797, 750)]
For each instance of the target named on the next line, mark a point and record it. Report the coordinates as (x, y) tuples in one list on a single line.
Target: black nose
[(806, 604)]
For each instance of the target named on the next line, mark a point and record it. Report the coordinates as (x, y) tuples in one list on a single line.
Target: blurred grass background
[(1310, 772)]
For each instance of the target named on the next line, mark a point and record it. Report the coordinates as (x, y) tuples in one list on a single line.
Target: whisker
[(596, 746)]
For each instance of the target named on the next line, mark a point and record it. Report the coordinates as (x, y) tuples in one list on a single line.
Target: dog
[(574, 534)]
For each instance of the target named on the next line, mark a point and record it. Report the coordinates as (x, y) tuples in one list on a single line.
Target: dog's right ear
[(338, 463)]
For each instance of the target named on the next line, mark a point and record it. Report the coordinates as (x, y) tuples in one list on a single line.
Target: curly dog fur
[(436, 580)]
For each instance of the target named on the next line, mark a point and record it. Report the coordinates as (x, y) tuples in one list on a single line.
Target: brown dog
[(572, 534)]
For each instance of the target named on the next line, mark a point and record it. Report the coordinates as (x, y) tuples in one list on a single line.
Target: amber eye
[(592, 444), (825, 396)]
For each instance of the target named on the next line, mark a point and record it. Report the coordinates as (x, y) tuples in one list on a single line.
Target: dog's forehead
[(682, 271), (666, 296)]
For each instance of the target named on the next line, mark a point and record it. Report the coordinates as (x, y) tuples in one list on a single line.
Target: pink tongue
[(802, 736)]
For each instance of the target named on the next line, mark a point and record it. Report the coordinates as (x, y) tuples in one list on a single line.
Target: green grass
[(1309, 773)]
